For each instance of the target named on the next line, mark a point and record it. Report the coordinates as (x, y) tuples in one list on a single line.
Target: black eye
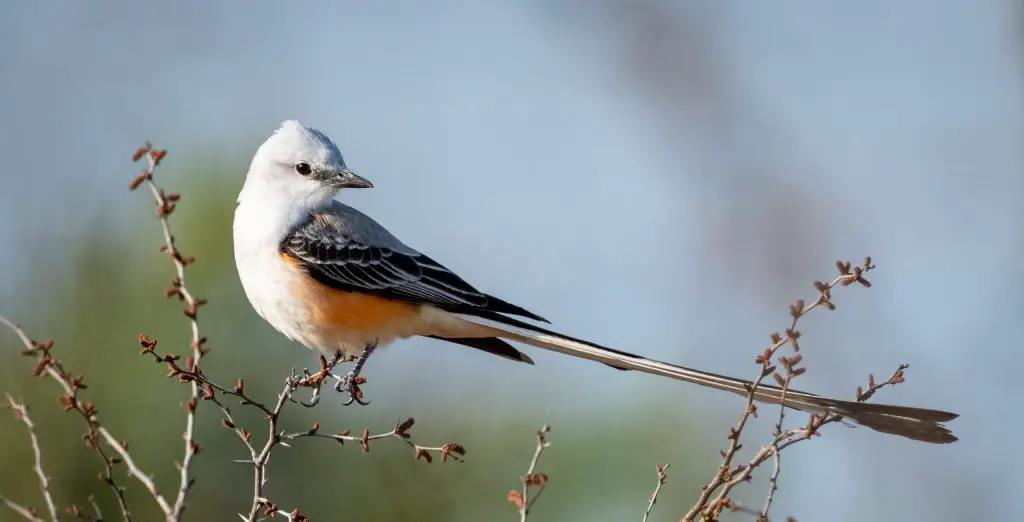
[(303, 168)]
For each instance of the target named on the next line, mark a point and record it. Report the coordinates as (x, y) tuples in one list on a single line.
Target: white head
[(300, 165)]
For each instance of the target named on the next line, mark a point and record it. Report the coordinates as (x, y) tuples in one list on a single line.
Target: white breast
[(267, 280)]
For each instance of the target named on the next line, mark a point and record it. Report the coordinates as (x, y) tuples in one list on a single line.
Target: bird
[(330, 277)]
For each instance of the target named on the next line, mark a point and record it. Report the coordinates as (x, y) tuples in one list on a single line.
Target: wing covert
[(336, 253)]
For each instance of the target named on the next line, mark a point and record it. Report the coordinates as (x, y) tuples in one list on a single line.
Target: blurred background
[(664, 177)]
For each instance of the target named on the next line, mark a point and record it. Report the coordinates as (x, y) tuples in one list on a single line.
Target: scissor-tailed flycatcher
[(327, 275)]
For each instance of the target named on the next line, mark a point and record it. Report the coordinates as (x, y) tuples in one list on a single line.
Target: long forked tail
[(913, 423)]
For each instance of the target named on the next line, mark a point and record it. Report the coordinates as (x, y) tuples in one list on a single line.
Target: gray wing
[(347, 250)]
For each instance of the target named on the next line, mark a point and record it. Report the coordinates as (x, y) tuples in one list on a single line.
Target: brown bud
[(452, 448), (67, 401), (139, 180), (402, 429), (516, 498), (536, 479), (143, 149), (422, 454), (796, 309), (779, 379), (41, 366)]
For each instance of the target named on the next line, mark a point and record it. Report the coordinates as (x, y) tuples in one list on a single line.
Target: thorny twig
[(276, 437), (81, 515), (260, 457), (662, 472), (522, 500), (726, 478), (401, 432), (259, 461), (193, 375), (792, 436), (790, 365), (271, 509), (47, 364), (165, 204), (773, 483), (21, 412), (26, 513)]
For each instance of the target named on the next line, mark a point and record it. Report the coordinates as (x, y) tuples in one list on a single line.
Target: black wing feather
[(346, 264), (491, 345)]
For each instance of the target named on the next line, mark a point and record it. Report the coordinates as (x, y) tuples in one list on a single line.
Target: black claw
[(313, 401), (349, 382), (352, 399)]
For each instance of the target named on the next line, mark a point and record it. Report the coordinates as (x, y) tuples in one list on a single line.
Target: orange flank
[(360, 312), (354, 312)]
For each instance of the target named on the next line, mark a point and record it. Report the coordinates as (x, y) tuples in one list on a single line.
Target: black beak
[(348, 179)]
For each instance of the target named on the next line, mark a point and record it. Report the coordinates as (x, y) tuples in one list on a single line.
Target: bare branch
[(662, 472), (790, 365), (259, 462), (77, 512), (271, 509), (714, 496), (785, 439), (522, 500), (26, 513), (95, 507), (450, 450), (21, 412), (53, 368), (166, 203)]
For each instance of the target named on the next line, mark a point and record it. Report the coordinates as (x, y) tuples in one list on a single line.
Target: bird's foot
[(315, 380), (350, 382)]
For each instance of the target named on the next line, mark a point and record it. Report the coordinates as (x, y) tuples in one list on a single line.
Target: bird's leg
[(350, 381), (316, 380)]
